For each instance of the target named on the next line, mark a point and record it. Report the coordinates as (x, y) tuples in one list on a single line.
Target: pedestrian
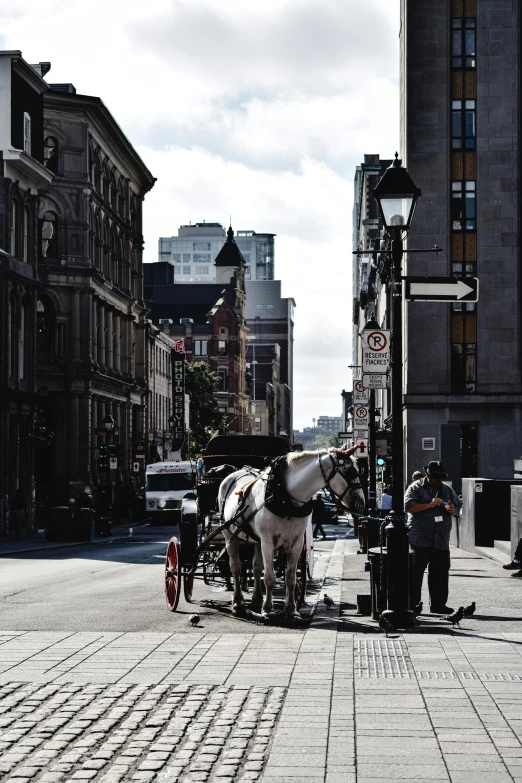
[(318, 515), (516, 563), (432, 505), (199, 469), (19, 511), (416, 475), (386, 499)]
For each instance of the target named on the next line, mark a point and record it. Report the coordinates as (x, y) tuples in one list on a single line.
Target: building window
[(13, 239), (463, 43), (201, 246), (463, 206), (222, 348), (248, 273), (270, 309), (187, 258), (25, 234), (260, 309), (202, 270), (22, 342), (49, 236), (187, 270), (27, 133), (200, 347), (201, 258), (222, 384), (463, 125), (51, 154), (176, 257)]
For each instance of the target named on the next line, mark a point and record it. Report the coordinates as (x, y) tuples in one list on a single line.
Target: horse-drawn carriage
[(252, 512)]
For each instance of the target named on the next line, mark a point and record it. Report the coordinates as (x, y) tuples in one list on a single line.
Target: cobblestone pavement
[(336, 702)]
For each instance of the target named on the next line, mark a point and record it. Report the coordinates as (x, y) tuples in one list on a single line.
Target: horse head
[(345, 484)]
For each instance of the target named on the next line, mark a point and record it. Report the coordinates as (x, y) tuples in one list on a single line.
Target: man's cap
[(435, 469), (418, 473)]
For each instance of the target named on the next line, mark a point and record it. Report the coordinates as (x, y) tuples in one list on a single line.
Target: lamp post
[(397, 197)]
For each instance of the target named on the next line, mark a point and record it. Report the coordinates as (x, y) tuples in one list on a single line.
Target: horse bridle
[(346, 469)]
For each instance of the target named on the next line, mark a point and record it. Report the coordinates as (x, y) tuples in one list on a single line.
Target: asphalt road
[(108, 586)]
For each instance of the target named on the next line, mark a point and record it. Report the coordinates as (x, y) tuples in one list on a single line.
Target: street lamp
[(108, 423), (397, 196)]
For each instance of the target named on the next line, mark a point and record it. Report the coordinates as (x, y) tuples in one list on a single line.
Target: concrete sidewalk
[(337, 702)]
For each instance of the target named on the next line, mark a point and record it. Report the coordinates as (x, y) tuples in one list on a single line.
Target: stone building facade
[(460, 96), (91, 314), (23, 175)]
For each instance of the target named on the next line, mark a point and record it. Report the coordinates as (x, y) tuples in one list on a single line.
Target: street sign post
[(361, 417), (442, 289), (375, 351), (376, 381), (135, 467), (113, 463), (364, 434), (361, 395)]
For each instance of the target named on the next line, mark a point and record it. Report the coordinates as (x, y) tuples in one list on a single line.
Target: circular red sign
[(361, 413), (359, 386), (377, 341)]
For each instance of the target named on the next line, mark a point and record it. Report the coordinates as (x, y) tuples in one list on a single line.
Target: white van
[(166, 484)]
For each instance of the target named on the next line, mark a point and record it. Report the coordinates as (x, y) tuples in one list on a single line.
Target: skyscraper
[(193, 252), (460, 118)]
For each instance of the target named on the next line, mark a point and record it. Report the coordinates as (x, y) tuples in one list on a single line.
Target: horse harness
[(278, 500), (347, 470)]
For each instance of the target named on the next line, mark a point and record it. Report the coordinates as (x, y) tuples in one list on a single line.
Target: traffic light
[(381, 461), (103, 461)]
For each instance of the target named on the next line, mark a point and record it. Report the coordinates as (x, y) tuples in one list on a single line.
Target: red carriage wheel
[(300, 579), (188, 586), (172, 574)]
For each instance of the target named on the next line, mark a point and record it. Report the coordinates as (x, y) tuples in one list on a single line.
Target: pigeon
[(386, 626), (194, 619), (469, 611), (456, 617), (328, 601)]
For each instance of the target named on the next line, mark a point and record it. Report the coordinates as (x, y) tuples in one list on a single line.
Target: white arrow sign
[(443, 289)]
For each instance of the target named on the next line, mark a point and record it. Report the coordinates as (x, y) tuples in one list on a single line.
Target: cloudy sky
[(259, 109)]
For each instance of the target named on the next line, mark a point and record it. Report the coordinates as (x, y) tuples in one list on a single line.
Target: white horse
[(243, 498)]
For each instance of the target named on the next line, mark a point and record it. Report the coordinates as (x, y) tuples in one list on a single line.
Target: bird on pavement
[(456, 617), (386, 626), (194, 619), (328, 601), (469, 611)]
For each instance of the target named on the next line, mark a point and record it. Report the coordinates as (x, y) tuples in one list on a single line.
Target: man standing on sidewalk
[(431, 505)]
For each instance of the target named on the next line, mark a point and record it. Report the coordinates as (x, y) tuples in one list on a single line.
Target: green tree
[(325, 442), (205, 416)]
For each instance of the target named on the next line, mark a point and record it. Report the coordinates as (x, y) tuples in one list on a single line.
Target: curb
[(41, 547)]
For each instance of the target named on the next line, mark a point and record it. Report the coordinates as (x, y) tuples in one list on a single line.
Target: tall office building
[(194, 250), (460, 118)]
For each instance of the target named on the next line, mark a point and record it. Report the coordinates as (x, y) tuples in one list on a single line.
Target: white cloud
[(261, 109)]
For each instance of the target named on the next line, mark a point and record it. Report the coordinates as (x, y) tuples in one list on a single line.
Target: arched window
[(106, 250), (98, 241), (51, 154), (98, 179), (45, 324), (49, 236), (106, 183), (114, 256), (133, 214), (121, 198), (25, 233), (114, 193), (14, 247)]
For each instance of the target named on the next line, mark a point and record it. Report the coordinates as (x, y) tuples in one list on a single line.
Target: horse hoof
[(255, 607), (239, 610)]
